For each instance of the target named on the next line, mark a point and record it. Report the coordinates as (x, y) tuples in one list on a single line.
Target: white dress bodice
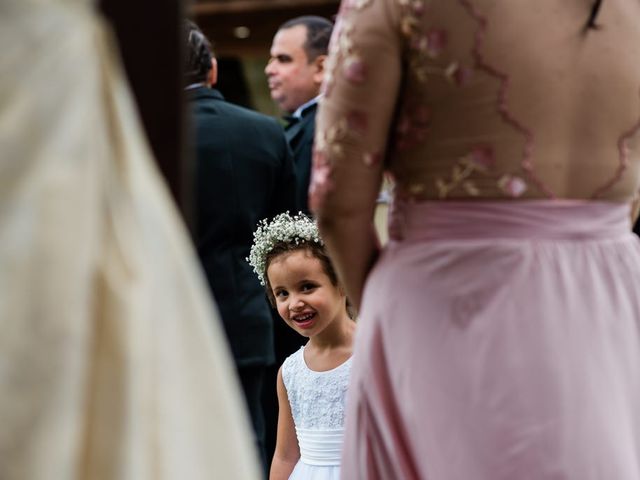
[(317, 402)]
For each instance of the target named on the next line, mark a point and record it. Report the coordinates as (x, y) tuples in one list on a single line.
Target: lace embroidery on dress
[(428, 58), (507, 180), (623, 151), (317, 399), (341, 49)]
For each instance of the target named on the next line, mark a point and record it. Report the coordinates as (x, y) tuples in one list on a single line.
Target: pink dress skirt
[(499, 341)]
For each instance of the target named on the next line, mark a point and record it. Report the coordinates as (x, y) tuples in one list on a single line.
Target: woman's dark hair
[(591, 22), (198, 54), (315, 250)]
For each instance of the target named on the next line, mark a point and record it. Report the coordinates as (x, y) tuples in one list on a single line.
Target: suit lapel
[(293, 130), (297, 129)]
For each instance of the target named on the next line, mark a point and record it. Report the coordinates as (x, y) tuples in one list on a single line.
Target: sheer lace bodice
[(317, 399), (481, 99)]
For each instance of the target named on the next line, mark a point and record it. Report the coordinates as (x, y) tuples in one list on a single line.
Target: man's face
[(293, 81)]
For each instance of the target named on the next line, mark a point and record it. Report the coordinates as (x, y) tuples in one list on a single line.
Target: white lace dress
[(317, 402)]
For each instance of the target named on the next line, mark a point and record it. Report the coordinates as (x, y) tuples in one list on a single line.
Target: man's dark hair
[(318, 34), (198, 54)]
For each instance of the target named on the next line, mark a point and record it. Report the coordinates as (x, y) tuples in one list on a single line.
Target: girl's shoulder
[(295, 370), (292, 365), (295, 357)]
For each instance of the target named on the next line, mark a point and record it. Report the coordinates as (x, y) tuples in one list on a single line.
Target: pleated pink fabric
[(519, 358)]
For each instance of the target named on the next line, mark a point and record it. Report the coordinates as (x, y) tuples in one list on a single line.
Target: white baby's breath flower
[(283, 228)]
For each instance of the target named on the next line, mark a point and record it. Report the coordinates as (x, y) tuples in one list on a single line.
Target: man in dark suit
[(244, 173), (295, 72)]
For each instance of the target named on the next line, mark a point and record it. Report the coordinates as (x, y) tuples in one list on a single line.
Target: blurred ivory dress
[(499, 329), (112, 362)]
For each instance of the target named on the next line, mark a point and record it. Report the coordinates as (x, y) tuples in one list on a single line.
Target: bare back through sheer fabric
[(498, 334), (112, 362), (499, 100)]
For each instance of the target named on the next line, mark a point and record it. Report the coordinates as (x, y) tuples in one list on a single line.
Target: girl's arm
[(287, 451)]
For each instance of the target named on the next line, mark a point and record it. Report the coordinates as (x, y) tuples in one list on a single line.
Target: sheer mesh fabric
[(499, 99)]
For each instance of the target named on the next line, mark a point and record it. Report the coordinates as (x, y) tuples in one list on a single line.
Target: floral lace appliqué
[(481, 160), (341, 49), (328, 145), (512, 185), (317, 399), (424, 46), (458, 74), (321, 180), (412, 126), (330, 140)]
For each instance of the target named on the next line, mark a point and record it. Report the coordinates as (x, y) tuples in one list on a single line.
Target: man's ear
[(319, 63), (212, 78)]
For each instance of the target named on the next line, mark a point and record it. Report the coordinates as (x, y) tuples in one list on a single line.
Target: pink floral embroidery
[(371, 159), (470, 188), (358, 121), (480, 159), (412, 127), (355, 70), (483, 156), (420, 42), (623, 155), (512, 185), (509, 117), (459, 74), (408, 26), (437, 41), (418, 7), (340, 46), (329, 140), (321, 183), (423, 46)]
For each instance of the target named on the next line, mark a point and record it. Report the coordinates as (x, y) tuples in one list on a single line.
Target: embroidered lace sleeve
[(457, 103), (360, 90)]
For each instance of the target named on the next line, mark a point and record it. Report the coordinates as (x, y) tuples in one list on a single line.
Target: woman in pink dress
[(499, 333)]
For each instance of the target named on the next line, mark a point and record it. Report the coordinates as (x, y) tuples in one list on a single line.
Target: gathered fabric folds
[(112, 362), (520, 357), (320, 447)]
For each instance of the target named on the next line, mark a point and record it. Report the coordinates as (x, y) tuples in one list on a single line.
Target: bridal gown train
[(112, 361)]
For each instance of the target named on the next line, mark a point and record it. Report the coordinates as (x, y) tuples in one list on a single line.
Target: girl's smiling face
[(304, 295)]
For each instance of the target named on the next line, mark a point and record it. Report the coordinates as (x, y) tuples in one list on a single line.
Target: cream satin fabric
[(112, 360)]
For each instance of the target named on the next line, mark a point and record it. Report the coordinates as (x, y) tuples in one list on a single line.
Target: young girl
[(290, 260)]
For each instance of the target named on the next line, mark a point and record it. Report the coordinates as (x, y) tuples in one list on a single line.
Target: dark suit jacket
[(300, 138), (244, 173)]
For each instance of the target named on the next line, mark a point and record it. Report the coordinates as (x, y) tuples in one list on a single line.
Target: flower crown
[(283, 228)]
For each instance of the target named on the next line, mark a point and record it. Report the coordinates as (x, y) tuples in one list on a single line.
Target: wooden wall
[(219, 19)]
